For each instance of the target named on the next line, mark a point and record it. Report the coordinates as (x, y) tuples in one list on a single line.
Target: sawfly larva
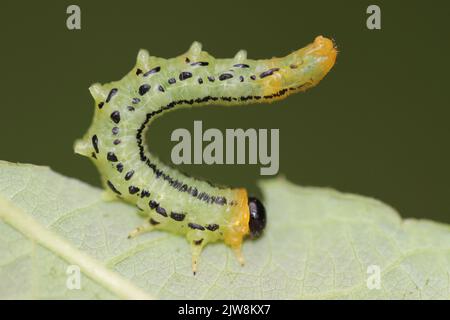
[(173, 201)]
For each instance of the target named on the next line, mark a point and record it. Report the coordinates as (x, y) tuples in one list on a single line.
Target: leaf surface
[(319, 244)]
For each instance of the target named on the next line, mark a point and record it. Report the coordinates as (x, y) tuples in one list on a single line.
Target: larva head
[(257, 221)]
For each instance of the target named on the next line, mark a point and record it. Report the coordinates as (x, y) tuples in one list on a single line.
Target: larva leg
[(238, 253), (197, 241), (146, 227), (196, 252)]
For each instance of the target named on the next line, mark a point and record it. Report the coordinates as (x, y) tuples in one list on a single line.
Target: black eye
[(257, 221)]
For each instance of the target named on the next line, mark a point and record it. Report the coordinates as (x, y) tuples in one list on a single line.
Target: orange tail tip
[(326, 48), (300, 70)]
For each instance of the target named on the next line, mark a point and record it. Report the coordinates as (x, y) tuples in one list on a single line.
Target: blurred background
[(378, 125)]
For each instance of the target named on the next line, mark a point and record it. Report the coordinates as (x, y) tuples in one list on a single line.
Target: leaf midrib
[(94, 269)]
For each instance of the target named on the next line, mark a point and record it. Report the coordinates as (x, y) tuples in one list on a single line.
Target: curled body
[(172, 201)]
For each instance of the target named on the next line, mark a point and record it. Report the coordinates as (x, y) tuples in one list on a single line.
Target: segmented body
[(124, 109)]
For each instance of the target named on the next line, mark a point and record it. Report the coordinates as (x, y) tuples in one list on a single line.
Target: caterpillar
[(170, 200)]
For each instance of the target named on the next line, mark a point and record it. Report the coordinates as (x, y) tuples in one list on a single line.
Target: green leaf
[(319, 243)]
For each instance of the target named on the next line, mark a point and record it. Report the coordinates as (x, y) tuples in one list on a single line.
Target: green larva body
[(174, 202)]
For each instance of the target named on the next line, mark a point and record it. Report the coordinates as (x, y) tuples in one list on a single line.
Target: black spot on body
[(119, 167), (145, 193), (241, 78), (200, 80), (112, 187), (153, 204), (152, 71), (200, 63), (221, 201), (138, 71), (130, 108), (117, 141), (111, 94), (198, 242), (143, 89), (185, 75), (100, 105), (111, 157), (95, 143), (203, 196), (153, 222), (177, 216), (253, 77), (115, 130), (268, 72), (211, 78), (161, 211), (133, 189), (160, 88), (171, 81), (241, 65), (135, 100), (195, 226), (115, 116), (225, 76), (212, 227), (129, 174)]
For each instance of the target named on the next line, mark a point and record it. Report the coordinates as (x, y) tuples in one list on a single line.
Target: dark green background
[(378, 125)]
